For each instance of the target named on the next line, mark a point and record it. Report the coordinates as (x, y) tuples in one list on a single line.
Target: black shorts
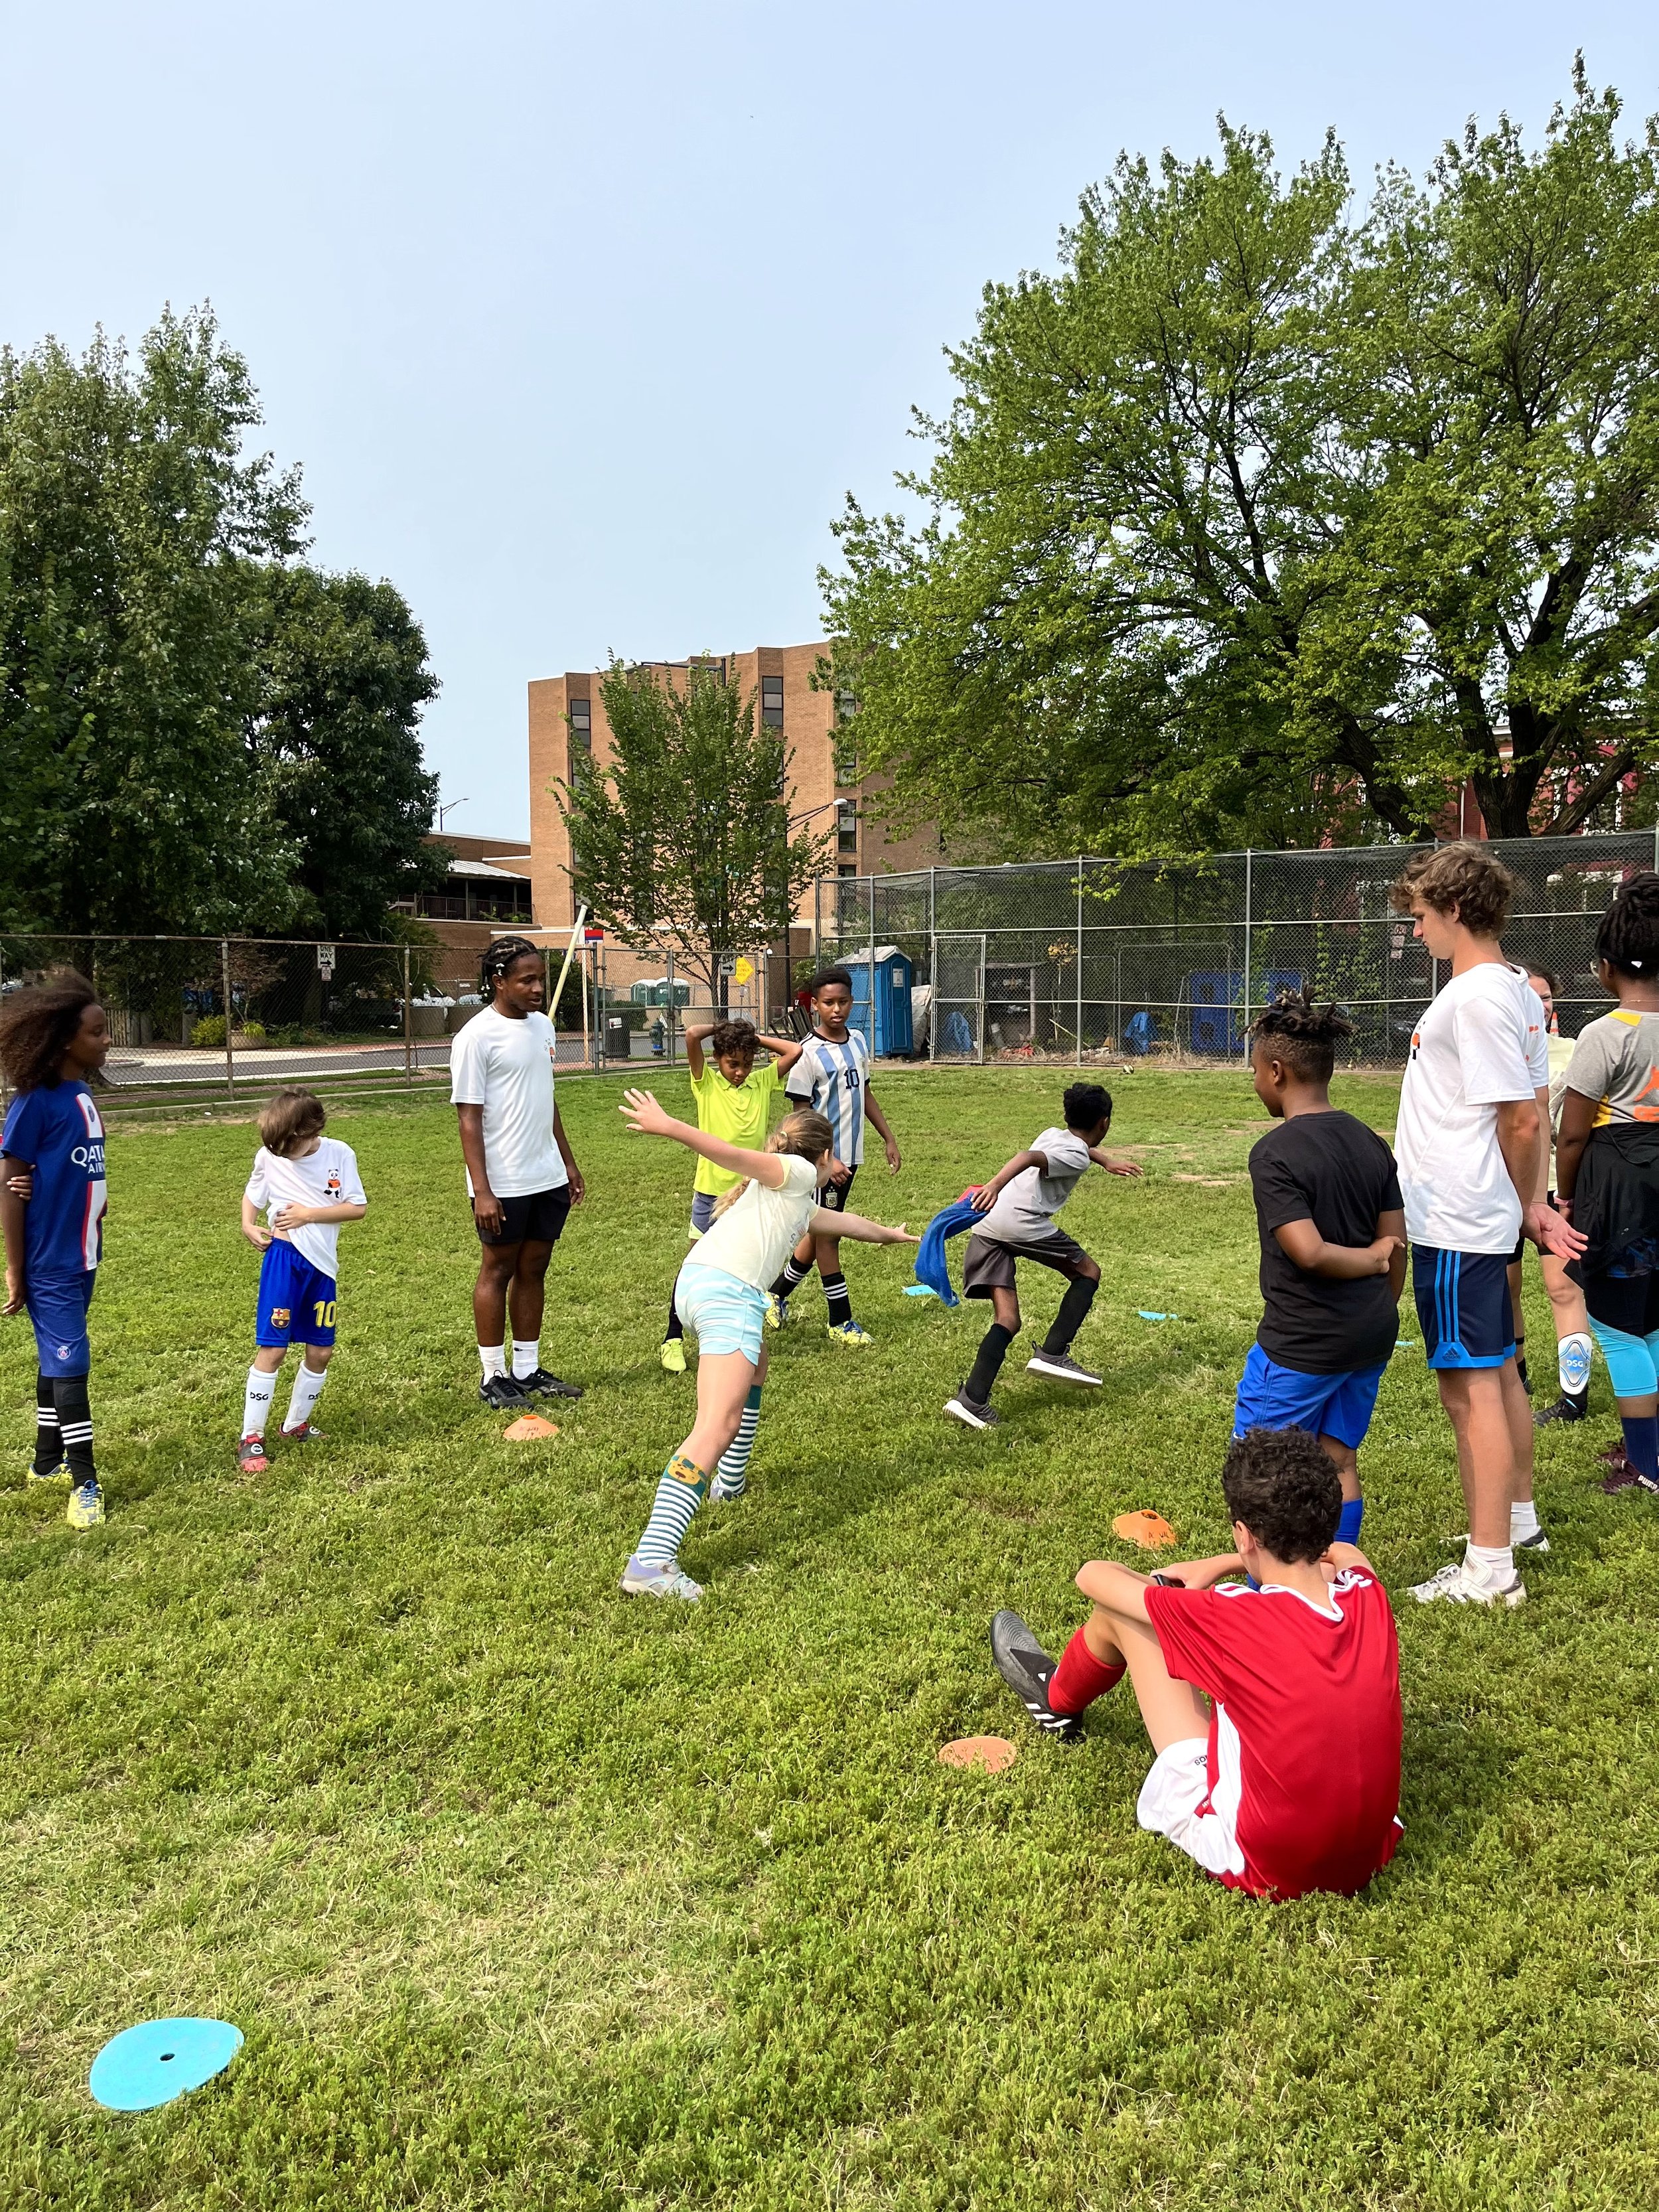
[(1520, 1251), (989, 1264), (538, 1218), (834, 1196)]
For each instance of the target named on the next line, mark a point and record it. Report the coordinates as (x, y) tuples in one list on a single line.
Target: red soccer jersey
[(1304, 1739)]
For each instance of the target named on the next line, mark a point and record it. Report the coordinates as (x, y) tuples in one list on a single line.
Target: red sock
[(1080, 1678)]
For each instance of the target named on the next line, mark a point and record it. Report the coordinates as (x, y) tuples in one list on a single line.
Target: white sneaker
[(1459, 1583), (641, 1581)]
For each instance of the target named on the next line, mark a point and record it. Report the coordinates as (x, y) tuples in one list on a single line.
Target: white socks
[(493, 1359), (1496, 1566), (256, 1401), (307, 1389), (1523, 1521), (526, 1358)]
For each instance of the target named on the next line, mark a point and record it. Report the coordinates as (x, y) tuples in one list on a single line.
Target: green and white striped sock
[(732, 1479), (680, 1489)]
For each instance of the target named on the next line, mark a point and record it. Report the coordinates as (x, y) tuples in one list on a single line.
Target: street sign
[(744, 972), (592, 935), (325, 961)]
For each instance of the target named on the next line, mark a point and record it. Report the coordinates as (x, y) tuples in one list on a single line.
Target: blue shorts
[(58, 1306), (1274, 1397), (296, 1300), (1632, 1361), (727, 1315), (1463, 1306), (704, 1203)]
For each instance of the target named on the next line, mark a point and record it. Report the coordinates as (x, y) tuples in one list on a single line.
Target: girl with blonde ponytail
[(721, 1292)]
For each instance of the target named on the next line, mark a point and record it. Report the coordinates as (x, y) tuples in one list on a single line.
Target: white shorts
[(1177, 1801)]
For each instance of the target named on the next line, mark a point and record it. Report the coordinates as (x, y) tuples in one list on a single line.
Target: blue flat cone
[(159, 2060), (919, 1291)]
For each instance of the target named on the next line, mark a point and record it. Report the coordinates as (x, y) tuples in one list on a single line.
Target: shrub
[(208, 1030), (252, 1032)]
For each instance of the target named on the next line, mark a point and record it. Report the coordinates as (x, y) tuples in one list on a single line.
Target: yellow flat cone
[(1148, 1529), (987, 1754), (527, 1427)]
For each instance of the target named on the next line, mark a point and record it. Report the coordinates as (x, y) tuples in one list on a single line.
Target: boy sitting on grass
[(1019, 1204), (1275, 1711)]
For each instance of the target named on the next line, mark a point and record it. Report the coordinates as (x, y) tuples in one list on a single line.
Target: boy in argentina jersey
[(52, 1196), (832, 1077)]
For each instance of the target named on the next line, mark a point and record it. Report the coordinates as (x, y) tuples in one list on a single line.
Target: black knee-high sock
[(48, 1438), (1073, 1311), (74, 1420), (794, 1274), (676, 1326), (841, 1304), (993, 1350)]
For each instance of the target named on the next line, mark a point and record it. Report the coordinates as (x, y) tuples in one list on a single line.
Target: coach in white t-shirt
[(520, 1175), (1470, 1144)]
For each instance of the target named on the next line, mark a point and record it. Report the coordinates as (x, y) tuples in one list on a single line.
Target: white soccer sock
[(1498, 1564), (1523, 1520), (307, 1389), (492, 1357), (256, 1401), (526, 1358)]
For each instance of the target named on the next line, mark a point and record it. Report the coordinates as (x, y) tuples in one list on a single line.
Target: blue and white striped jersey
[(830, 1077)]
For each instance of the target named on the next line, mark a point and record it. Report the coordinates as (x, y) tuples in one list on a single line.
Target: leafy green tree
[(1249, 525), (128, 516), (681, 840), (343, 675)]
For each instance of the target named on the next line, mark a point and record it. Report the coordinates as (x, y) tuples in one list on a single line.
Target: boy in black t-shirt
[(1332, 1229)]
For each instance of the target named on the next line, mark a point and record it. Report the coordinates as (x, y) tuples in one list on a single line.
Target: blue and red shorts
[(296, 1300)]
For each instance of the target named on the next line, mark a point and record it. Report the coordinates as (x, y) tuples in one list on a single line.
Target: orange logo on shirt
[(1650, 1112)]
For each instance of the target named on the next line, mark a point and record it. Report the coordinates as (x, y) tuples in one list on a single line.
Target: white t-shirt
[(506, 1066), (327, 1176), (1024, 1210), (753, 1239), (1479, 1045)]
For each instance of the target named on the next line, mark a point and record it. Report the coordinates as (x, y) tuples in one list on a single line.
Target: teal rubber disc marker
[(158, 2060)]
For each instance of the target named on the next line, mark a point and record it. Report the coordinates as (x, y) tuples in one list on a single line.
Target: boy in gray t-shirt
[(1019, 1204)]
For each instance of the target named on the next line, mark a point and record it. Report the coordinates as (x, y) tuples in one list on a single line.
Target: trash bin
[(616, 1037)]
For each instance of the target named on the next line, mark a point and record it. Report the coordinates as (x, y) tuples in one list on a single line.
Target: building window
[(848, 868), (772, 701), (582, 725), (847, 826)]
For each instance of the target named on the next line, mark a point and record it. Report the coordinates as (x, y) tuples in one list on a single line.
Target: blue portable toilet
[(1214, 996), (885, 1026)]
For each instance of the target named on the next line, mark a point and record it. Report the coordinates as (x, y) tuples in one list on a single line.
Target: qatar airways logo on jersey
[(90, 1156)]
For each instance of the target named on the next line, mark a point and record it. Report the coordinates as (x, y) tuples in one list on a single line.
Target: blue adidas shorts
[(1274, 1397), (57, 1305), (296, 1300), (1463, 1305), (727, 1315)]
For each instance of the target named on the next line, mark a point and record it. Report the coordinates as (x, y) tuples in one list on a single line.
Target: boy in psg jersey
[(832, 1077), (1274, 1711), (53, 1195)]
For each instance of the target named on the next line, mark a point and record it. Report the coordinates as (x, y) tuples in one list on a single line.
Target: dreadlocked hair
[(1303, 1035), (499, 955), (36, 1027), (1628, 939), (803, 1136)]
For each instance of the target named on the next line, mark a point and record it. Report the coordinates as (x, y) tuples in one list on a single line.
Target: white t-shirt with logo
[(327, 1176), (754, 1237), (506, 1066), (1479, 1045)]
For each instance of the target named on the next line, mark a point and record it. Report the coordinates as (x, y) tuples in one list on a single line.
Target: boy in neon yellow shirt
[(734, 1103)]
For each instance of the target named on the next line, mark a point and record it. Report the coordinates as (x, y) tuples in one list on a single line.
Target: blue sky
[(582, 320)]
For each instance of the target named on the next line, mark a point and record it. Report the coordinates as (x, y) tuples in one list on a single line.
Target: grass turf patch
[(528, 1894)]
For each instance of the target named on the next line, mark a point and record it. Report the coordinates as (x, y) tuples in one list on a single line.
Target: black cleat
[(542, 1384), (1027, 1670), (1564, 1409), (502, 1394)]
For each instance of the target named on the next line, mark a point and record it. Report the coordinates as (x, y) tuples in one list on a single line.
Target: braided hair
[(499, 955), (1628, 938), (1303, 1035)]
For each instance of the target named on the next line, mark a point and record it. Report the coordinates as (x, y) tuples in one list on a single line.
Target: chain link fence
[(1092, 959)]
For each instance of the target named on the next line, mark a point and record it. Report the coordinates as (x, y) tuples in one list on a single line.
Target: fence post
[(409, 1026), (870, 972), (587, 1053), (1079, 959), (1245, 1025), (224, 974), (668, 1038)]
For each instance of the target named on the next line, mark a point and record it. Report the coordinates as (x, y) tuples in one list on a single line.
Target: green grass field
[(526, 1894)]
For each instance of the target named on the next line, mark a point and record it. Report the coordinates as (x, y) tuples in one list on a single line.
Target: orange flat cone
[(529, 1426), (987, 1754), (1148, 1529)]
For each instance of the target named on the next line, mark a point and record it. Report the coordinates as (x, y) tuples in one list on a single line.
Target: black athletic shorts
[(539, 1217), (1521, 1243), (989, 1264), (834, 1196)]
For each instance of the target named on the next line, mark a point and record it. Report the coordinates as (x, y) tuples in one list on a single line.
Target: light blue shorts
[(1632, 1361), (727, 1315)]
